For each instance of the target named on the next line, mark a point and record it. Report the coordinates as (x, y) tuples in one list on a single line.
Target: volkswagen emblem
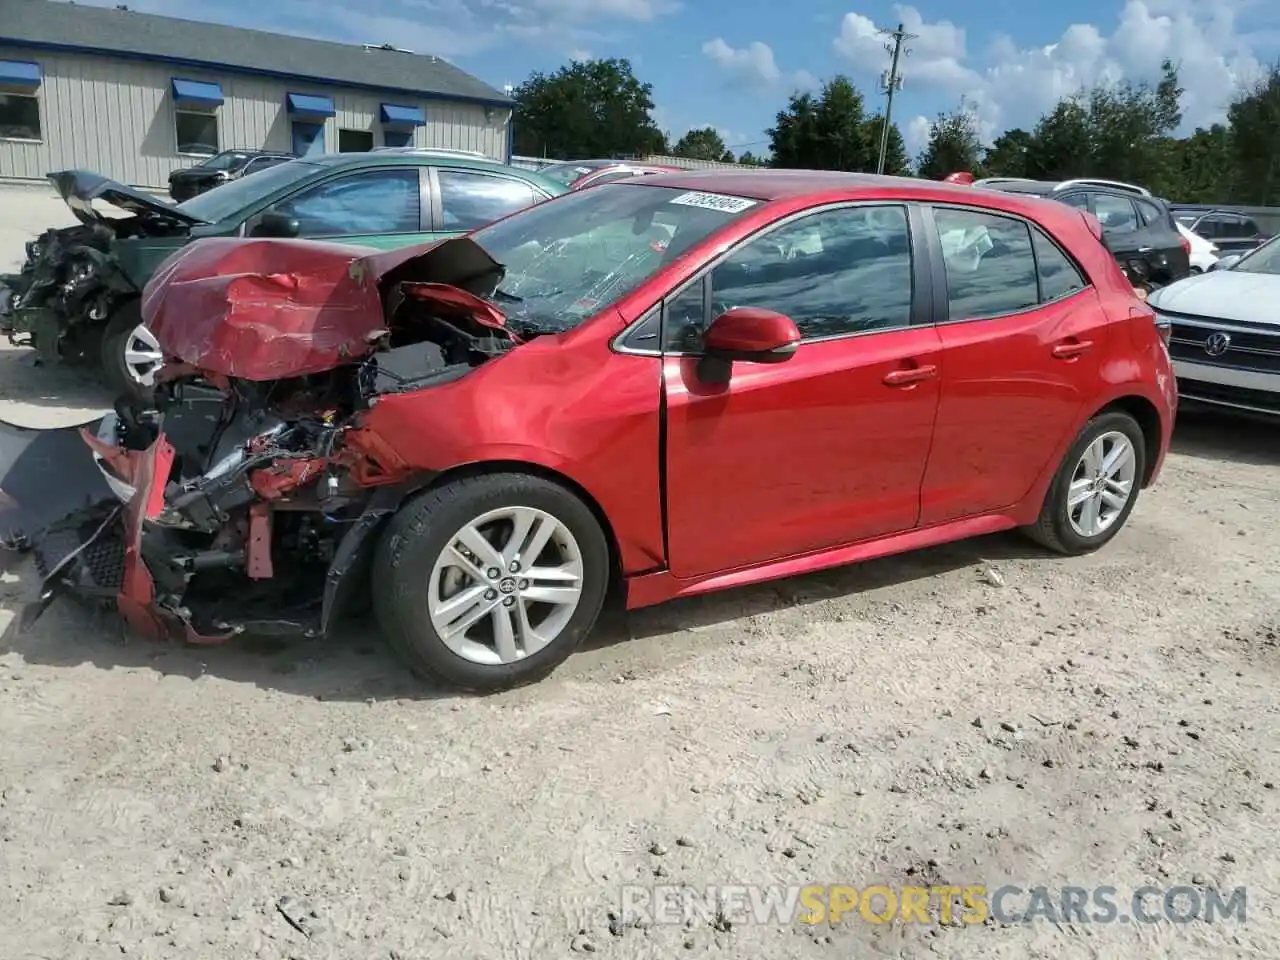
[(1217, 344)]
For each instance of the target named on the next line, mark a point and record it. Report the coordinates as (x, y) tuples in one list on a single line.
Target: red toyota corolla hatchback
[(684, 383)]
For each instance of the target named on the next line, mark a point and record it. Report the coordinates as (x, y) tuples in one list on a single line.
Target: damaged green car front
[(76, 279)]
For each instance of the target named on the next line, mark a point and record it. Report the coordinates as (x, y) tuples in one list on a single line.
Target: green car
[(78, 294)]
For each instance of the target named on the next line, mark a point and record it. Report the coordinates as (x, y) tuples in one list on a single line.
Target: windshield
[(229, 199), (572, 256), (1266, 259), (570, 172), (223, 161)]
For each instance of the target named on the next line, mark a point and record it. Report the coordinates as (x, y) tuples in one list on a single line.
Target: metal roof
[(55, 25)]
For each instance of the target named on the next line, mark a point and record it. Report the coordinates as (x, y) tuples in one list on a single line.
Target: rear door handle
[(902, 378), (1072, 348), (1145, 249)]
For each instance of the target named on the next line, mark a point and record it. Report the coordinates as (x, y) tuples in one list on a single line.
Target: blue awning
[(310, 105), (402, 116), (19, 75), (196, 93)]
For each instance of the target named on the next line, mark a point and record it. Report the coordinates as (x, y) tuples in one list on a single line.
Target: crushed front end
[(249, 494)]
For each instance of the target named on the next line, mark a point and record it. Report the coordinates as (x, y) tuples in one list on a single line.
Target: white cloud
[(915, 134), (755, 65), (1012, 86)]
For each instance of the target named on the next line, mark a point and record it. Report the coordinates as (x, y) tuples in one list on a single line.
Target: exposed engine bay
[(232, 503)]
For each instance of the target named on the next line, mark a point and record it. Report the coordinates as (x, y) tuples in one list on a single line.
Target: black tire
[(115, 338), (1053, 529), (416, 536)]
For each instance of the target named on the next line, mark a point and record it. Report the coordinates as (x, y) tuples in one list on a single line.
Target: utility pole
[(891, 82)]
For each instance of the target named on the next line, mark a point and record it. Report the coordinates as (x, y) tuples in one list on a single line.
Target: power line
[(891, 82)]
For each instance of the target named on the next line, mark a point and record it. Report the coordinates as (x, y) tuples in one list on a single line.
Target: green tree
[(1060, 145), (704, 144), (1206, 166), (591, 108), (896, 161), (828, 132), (1255, 135), (1008, 155), (749, 159), (954, 145)]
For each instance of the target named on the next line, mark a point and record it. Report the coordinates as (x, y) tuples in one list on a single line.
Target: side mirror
[(747, 334), (1225, 263), (273, 224)]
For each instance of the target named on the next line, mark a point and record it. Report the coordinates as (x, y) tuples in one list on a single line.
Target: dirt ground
[(975, 714)]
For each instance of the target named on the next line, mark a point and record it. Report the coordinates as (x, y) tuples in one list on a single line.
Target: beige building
[(135, 96)]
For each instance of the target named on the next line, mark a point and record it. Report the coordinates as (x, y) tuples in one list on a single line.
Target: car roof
[(425, 159)]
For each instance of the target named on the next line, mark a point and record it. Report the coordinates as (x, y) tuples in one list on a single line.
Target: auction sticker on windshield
[(714, 201)]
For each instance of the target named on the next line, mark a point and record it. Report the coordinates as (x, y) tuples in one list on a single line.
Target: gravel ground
[(974, 714)]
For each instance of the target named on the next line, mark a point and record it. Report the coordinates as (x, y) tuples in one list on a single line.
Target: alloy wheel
[(1103, 483), (142, 355), (505, 586)]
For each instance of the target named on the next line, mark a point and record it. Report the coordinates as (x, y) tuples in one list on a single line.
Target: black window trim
[(921, 310), (939, 275), (437, 197)]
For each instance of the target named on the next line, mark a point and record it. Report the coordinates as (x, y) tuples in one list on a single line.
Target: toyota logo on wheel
[(1217, 344)]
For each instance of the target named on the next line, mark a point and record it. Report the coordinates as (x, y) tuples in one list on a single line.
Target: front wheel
[(490, 582), (1095, 488), (131, 354)]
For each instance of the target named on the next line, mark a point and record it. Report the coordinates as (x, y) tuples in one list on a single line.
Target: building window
[(197, 133), (397, 138), (19, 117), (355, 141)]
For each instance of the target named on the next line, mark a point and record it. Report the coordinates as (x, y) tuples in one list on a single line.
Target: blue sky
[(732, 66)]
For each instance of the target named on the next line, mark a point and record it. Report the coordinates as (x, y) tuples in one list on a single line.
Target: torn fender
[(270, 309)]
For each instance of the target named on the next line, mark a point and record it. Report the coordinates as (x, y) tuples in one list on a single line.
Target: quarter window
[(1151, 214), (196, 133), (373, 202), (1058, 275), (833, 273), (19, 117), (989, 263), (1115, 213), (469, 200)]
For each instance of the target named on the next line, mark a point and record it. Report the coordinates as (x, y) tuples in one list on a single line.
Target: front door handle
[(1071, 349), (903, 378)]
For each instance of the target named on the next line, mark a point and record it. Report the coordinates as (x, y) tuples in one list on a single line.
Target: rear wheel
[(490, 582), (131, 355), (1095, 488)]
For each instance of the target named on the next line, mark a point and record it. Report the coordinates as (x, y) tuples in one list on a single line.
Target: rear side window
[(1249, 228), (1115, 213), (1150, 213), (990, 265), (1057, 274)]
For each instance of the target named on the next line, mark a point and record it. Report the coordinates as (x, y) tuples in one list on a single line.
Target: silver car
[(1225, 337)]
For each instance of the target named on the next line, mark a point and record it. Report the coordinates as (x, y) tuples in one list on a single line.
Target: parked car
[(1225, 332), (222, 168), (1136, 226), (1203, 254), (78, 293), (579, 174), (486, 432), (1230, 232)]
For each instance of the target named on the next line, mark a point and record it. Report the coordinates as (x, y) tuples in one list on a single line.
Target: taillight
[(1186, 245)]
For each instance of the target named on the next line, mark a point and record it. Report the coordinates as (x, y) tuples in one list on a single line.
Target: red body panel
[(851, 448), (271, 309)]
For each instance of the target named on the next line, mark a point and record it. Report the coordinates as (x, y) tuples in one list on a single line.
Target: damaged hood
[(79, 188), (269, 309)]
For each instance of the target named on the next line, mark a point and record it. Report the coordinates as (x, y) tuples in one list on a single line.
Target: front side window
[(1115, 213), (197, 133), (19, 117), (833, 273), (574, 255), (469, 200), (385, 201), (989, 264)]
